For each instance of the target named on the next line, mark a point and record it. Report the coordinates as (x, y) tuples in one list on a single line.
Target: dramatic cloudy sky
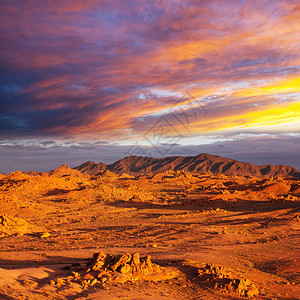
[(100, 80)]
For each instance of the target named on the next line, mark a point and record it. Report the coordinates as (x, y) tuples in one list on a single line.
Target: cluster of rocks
[(216, 277), (289, 198), (104, 269)]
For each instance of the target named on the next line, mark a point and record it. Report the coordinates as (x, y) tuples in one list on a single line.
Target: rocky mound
[(12, 225), (217, 278), (108, 175), (201, 163), (278, 188), (65, 171), (104, 269), (62, 179), (17, 176), (39, 184), (2, 176)]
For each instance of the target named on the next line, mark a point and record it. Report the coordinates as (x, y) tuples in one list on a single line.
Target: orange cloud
[(81, 68)]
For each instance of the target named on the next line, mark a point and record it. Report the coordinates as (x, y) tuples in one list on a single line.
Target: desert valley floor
[(66, 235)]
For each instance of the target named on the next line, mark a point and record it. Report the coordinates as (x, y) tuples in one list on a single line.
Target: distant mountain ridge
[(201, 163)]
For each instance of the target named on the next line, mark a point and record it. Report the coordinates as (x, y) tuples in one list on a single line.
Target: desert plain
[(170, 235)]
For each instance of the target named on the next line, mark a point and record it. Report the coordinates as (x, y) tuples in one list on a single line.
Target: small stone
[(59, 282), (45, 235), (52, 282), (69, 278), (76, 274)]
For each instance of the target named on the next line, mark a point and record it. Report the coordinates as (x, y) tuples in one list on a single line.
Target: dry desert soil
[(172, 235)]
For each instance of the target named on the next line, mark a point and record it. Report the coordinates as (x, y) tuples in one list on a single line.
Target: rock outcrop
[(104, 269), (217, 278)]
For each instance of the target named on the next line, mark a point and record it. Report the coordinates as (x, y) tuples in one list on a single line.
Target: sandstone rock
[(136, 259), (252, 291), (88, 276), (59, 281), (117, 269), (223, 281), (94, 281), (11, 225), (125, 258), (52, 282), (76, 275), (125, 269), (106, 269), (45, 235)]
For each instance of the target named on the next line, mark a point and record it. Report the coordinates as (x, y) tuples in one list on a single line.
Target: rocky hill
[(198, 164), (91, 168)]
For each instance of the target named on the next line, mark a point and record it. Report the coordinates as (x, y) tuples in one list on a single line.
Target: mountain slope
[(197, 164), (91, 168)]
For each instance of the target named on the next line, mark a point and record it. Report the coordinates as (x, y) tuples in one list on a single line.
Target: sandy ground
[(183, 221)]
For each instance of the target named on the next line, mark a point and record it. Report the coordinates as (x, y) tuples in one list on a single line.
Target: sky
[(101, 80)]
